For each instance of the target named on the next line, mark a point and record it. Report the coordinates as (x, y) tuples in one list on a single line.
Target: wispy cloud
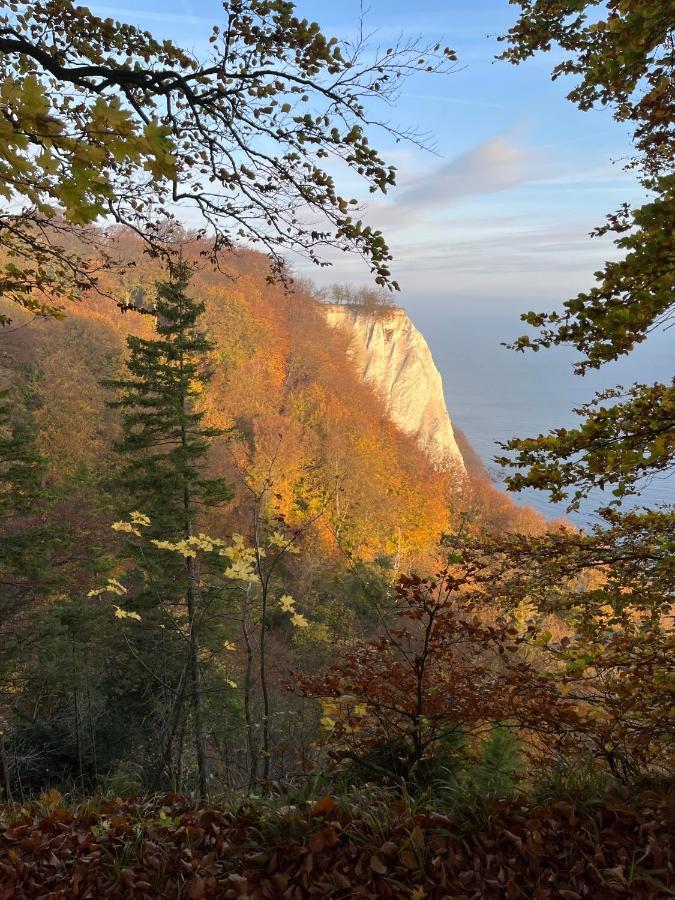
[(488, 168), (167, 17)]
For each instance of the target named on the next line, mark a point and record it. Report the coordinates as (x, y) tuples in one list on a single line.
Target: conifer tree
[(19, 463), (20, 472), (20, 477), (164, 446)]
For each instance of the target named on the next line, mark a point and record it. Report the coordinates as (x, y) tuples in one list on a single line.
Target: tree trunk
[(264, 584), (264, 691), (196, 678), (76, 705), (17, 770), (175, 718), (248, 679), (193, 620), (92, 730), (179, 756), (4, 770)]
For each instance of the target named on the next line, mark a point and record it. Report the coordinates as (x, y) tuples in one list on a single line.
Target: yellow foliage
[(125, 614), (287, 603)]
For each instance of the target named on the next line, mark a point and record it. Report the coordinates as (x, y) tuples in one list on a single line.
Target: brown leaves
[(444, 670), (323, 806), (544, 852)]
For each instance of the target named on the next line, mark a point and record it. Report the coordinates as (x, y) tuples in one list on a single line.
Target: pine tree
[(164, 446), (24, 550), (19, 464), (23, 543)]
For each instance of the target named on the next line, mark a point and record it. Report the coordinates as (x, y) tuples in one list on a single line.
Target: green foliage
[(576, 779), (20, 464), (104, 121), (613, 588), (28, 544), (62, 741), (624, 60), (164, 442), (354, 599), (623, 55), (623, 438), (164, 447), (495, 774)]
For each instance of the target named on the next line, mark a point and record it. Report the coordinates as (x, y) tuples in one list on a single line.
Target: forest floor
[(168, 846)]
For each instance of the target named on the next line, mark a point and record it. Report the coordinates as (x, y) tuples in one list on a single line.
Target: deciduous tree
[(438, 673), (622, 56), (103, 122)]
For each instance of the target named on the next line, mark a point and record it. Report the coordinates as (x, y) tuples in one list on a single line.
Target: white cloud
[(165, 16), (490, 167)]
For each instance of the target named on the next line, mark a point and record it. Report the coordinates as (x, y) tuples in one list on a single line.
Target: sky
[(495, 222), (499, 214)]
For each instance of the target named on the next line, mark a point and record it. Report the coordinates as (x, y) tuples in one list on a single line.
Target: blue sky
[(501, 213), (495, 223)]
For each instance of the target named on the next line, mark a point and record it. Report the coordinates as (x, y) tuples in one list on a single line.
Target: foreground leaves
[(166, 847)]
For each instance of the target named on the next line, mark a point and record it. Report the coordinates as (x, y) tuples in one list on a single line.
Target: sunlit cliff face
[(392, 356)]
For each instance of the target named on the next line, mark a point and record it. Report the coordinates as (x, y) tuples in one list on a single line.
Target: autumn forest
[(256, 640)]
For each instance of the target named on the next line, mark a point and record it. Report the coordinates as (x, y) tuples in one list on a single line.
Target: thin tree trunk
[(264, 691), (179, 756), (176, 713), (196, 678), (92, 732), (78, 735), (263, 659), (248, 678), (17, 770), (4, 770), (76, 704), (193, 619)]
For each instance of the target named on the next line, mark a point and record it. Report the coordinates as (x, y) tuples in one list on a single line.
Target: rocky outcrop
[(392, 356)]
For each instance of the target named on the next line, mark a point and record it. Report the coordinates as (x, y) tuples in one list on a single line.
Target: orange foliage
[(284, 389)]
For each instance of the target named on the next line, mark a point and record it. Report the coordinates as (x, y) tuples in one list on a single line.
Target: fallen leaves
[(323, 806), (167, 848)]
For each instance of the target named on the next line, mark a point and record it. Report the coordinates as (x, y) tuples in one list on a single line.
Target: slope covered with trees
[(299, 447), (224, 573)]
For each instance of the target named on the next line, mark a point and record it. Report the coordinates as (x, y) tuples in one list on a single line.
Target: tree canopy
[(621, 52), (104, 123), (614, 586)]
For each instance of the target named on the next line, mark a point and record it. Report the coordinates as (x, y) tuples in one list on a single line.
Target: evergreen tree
[(22, 542), (31, 547), (20, 464), (164, 446)]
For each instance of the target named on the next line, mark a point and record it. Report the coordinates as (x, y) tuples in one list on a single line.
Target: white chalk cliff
[(392, 356)]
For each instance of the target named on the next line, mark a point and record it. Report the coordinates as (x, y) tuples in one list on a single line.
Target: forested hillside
[(253, 641), (283, 390), (302, 446)]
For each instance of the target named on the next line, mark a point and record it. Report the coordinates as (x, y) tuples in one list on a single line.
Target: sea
[(493, 393)]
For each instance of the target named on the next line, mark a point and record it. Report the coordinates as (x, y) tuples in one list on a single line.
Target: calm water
[(493, 394)]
